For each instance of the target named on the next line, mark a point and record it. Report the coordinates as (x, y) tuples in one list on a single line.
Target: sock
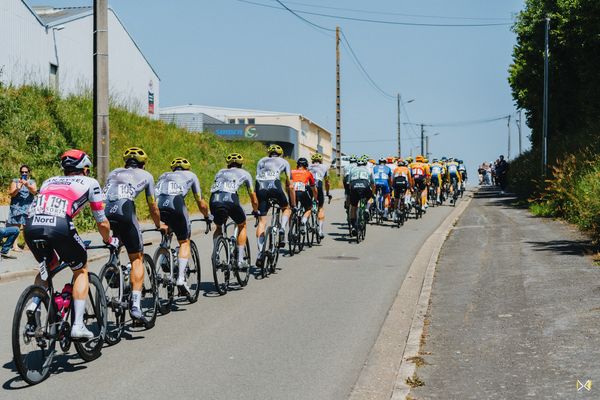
[(321, 226), (261, 242), (241, 253), (79, 308), (35, 301), (136, 296), (304, 219), (284, 221), (181, 276)]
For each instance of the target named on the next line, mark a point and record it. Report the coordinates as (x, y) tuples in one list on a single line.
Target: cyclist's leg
[(321, 208), (263, 208), (237, 214), (286, 210)]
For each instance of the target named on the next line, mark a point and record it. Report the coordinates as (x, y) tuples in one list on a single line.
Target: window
[(251, 121), (53, 83), (241, 120), (231, 120)]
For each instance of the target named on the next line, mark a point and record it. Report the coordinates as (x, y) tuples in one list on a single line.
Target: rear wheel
[(94, 319), (220, 263), (149, 301), (293, 235), (33, 347), (243, 275), (110, 278), (271, 251), (193, 273), (164, 284)]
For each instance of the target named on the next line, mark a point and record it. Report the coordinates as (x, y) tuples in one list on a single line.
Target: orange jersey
[(301, 178), (420, 169)]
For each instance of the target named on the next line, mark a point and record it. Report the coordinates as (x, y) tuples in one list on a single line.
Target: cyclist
[(171, 189), (462, 169), (225, 203), (437, 172), (320, 172), (420, 172), (303, 189), (382, 175), (402, 182), (453, 177), (362, 186), (50, 218), (352, 164), (268, 186), (123, 185)]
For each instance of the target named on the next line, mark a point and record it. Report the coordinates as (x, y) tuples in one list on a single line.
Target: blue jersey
[(382, 174)]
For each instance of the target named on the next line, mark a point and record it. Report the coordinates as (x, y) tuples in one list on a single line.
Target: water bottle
[(63, 299)]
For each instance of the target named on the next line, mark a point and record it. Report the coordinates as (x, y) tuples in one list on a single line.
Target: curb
[(434, 245), (7, 276)]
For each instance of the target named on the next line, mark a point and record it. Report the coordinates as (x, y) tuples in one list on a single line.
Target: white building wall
[(24, 51)]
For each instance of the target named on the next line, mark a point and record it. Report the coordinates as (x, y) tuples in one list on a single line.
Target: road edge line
[(413, 343)]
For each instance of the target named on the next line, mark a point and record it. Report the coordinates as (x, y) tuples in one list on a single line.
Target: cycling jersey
[(402, 180), (270, 168), (268, 184), (360, 182), (224, 201), (320, 172), (347, 171), (452, 171), (302, 180), (123, 185), (50, 216), (420, 172), (178, 183), (171, 189)]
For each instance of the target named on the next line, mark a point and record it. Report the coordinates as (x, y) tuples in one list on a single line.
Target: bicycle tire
[(22, 362), (220, 263), (149, 300), (316, 226), (110, 278), (163, 264), (264, 268), (292, 238), (95, 308), (270, 252), (243, 277), (194, 273), (276, 247), (301, 237)]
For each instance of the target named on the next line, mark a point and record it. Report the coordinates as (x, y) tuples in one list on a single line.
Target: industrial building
[(54, 47), (298, 135)]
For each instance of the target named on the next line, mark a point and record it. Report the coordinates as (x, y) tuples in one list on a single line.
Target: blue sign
[(229, 132)]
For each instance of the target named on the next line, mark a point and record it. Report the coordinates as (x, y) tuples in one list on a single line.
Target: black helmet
[(302, 162)]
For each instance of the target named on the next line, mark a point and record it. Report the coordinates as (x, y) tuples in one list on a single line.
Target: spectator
[(9, 235), (501, 174), (22, 191)]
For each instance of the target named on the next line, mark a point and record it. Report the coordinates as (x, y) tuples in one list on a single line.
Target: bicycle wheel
[(274, 254), (32, 344), (193, 272), (149, 300), (164, 285), (292, 235), (243, 276), (220, 263), (110, 277), (316, 228), (270, 252), (94, 318), (300, 237)]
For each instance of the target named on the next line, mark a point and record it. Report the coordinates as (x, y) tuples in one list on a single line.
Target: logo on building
[(151, 97), (250, 132)]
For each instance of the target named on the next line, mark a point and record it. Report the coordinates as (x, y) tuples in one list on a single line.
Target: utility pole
[(508, 154), (338, 125), (399, 140), (519, 128), (545, 117), (101, 132), (422, 139), (426, 147)]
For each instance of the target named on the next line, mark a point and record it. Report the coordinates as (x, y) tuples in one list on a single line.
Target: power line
[(301, 17), (399, 14), (461, 123)]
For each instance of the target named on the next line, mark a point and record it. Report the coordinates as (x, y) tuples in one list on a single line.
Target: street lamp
[(400, 102), (427, 153)]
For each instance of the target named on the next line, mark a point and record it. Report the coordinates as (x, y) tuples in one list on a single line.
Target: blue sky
[(234, 54)]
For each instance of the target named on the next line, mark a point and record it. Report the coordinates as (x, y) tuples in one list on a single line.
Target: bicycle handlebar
[(208, 223)]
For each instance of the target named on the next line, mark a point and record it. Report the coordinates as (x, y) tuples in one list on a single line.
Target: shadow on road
[(566, 247), (61, 363)]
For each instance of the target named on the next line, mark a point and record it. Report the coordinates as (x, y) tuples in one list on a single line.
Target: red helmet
[(75, 160)]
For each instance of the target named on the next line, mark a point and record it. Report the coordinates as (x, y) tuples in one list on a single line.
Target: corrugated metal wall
[(192, 122)]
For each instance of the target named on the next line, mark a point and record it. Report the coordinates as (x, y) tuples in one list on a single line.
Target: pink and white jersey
[(65, 196)]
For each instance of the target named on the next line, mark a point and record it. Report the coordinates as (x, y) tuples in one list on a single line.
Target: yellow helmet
[(409, 159), (426, 160), (135, 153), (317, 157), (180, 162), (234, 158), (419, 158), (275, 148)]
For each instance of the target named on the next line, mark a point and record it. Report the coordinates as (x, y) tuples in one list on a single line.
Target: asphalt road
[(303, 333)]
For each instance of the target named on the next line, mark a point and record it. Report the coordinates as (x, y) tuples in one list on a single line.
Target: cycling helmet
[(451, 159), (435, 160), (409, 159), (75, 160), (362, 161), (317, 157), (460, 161), (390, 160), (234, 158), (444, 159), (180, 163), (302, 162), (426, 160), (135, 153), (419, 158), (275, 149), (352, 160), (402, 162), (382, 161), (366, 157)]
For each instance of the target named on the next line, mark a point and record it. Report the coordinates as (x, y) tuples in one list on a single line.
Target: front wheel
[(32, 344), (149, 301), (220, 263), (94, 319), (243, 275), (193, 275), (293, 236), (164, 285), (110, 278)]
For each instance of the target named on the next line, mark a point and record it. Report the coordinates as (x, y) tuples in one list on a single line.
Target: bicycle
[(379, 205), (115, 279), (224, 260), (361, 222), (400, 210), (37, 328), (295, 238), (418, 207), (312, 225), (166, 261), (270, 254)]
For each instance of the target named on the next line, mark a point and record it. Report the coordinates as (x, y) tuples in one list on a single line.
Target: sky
[(234, 54)]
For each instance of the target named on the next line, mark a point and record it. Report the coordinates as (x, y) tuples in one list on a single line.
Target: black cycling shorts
[(400, 186), (320, 194), (266, 190), (225, 205), (360, 189), (62, 238), (420, 182), (174, 213), (305, 199), (124, 224), (436, 181)]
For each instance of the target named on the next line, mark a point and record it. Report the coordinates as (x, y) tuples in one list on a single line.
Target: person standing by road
[(22, 191), (501, 173)]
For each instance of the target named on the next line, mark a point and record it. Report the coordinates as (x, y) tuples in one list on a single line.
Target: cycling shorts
[(453, 179), (304, 199), (420, 182), (320, 194), (266, 190), (174, 213), (225, 205), (124, 224), (400, 186), (62, 238), (384, 187), (435, 180), (359, 189)]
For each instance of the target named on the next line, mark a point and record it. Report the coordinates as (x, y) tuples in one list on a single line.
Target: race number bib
[(417, 171), (125, 191), (299, 186), (51, 205), (173, 189), (224, 186), (267, 175)]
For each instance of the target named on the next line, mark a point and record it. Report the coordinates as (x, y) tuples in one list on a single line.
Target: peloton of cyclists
[(320, 172)]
